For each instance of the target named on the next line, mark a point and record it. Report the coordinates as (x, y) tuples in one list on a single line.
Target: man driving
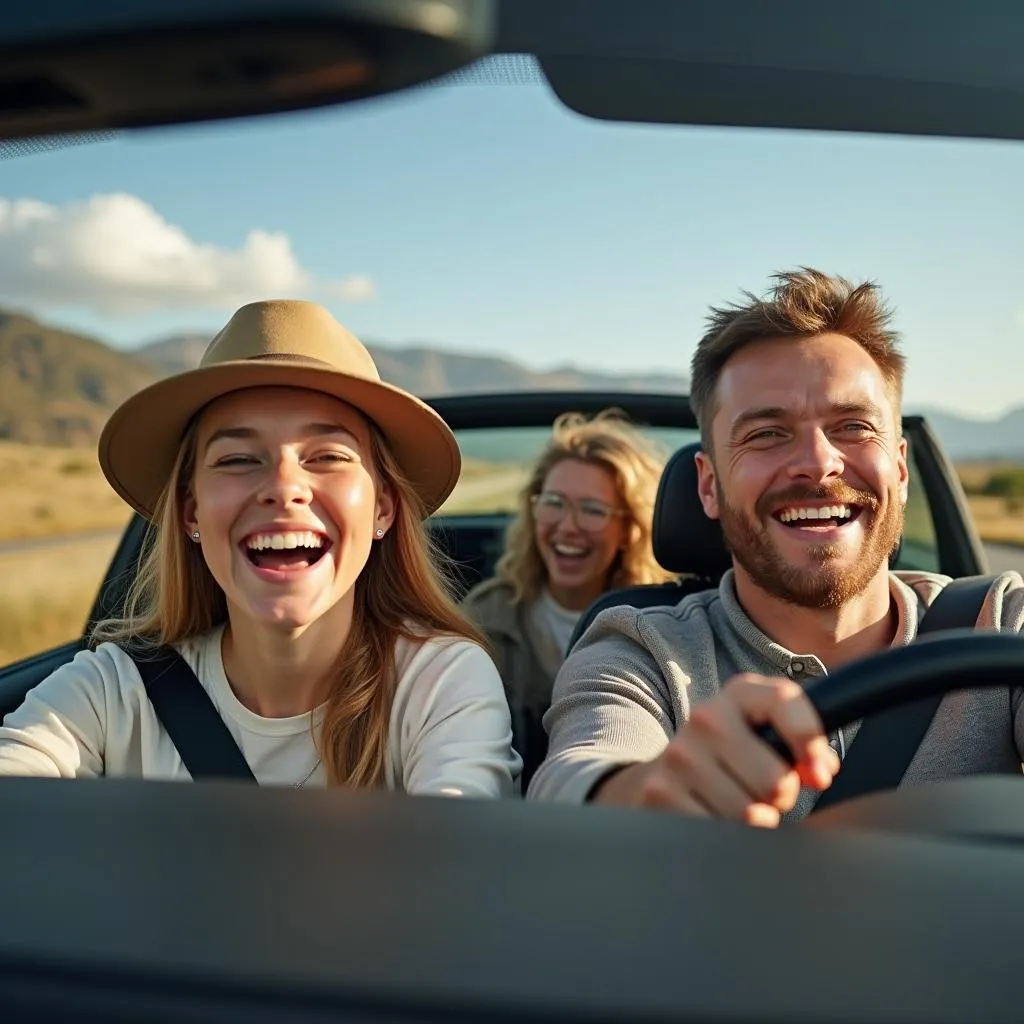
[(797, 396)]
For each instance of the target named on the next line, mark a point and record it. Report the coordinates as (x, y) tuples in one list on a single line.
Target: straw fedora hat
[(287, 343)]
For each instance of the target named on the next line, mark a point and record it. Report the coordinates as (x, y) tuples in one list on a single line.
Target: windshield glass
[(479, 237), (497, 463)]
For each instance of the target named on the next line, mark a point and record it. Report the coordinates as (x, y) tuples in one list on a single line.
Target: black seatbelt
[(886, 743), (185, 710)]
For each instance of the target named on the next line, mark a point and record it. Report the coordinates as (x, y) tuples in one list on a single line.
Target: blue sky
[(489, 219)]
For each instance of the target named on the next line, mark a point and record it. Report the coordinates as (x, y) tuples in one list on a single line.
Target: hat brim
[(140, 442)]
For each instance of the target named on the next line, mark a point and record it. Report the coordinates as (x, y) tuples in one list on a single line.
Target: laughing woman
[(583, 527), (289, 567)]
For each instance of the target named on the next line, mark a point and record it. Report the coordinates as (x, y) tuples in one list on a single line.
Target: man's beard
[(825, 583)]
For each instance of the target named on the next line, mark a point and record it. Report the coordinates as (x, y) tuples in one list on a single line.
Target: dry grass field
[(50, 492), (999, 520), (46, 593)]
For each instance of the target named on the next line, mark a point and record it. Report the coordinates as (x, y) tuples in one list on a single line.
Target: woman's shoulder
[(441, 667), (451, 728), (491, 602), (439, 652), (95, 680), (494, 590), (116, 663), (106, 661)]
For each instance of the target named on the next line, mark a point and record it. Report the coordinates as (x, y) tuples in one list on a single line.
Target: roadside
[(47, 588), (497, 491), (55, 493), (1003, 557), (995, 494), (26, 546), (999, 521)]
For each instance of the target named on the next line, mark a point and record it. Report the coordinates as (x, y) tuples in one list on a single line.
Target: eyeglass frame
[(571, 506)]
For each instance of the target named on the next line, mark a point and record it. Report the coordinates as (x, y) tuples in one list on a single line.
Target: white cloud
[(357, 288), (115, 254)]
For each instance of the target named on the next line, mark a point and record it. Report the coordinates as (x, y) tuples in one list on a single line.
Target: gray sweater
[(633, 677)]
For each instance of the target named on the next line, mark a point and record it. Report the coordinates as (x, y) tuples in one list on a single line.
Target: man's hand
[(717, 766)]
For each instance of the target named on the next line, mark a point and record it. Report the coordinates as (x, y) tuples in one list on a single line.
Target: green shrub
[(1006, 483)]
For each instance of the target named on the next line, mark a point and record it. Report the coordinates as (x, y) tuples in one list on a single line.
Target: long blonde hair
[(607, 440), (401, 593)]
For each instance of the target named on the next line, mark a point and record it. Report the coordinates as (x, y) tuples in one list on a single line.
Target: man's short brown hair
[(802, 303)]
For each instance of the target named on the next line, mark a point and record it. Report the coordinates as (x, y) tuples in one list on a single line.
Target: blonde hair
[(401, 593), (611, 442), (802, 303)]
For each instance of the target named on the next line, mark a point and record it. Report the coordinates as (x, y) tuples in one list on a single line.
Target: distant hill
[(58, 388), (965, 438), (174, 354), (429, 372)]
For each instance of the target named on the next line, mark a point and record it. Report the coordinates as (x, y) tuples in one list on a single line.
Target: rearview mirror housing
[(79, 67)]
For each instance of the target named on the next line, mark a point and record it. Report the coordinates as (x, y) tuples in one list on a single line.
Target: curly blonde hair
[(610, 441)]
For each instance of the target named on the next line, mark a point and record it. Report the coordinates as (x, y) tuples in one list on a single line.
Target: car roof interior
[(918, 67)]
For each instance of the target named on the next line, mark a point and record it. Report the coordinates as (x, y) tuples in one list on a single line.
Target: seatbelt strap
[(185, 710), (886, 743)]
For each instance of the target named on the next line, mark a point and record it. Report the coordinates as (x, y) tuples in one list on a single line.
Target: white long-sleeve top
[(450, 731)]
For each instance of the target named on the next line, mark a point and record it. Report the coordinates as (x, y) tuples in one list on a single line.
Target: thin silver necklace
[(309, 774)]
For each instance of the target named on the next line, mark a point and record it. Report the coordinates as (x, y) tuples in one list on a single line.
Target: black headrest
[(685, 539)]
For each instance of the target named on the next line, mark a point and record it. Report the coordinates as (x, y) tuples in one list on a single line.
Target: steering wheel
[(931, 666)]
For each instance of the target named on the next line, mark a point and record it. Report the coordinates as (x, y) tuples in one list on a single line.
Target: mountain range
[(430, 372), (58, 387), (970, 439)]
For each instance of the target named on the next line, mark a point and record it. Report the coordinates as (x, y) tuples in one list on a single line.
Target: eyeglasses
[(550, 507)]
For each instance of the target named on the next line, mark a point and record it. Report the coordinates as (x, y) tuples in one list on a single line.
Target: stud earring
[(380, 532), (195, 535)]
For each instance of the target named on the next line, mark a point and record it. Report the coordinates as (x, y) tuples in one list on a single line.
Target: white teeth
[(285, 541), (828, 512), (565, 549)]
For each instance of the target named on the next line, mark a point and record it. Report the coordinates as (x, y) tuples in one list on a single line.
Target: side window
[(920, 549)]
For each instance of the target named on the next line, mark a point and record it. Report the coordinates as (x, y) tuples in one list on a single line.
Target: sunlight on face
[(286, 502), (809, 476), (578, 530)]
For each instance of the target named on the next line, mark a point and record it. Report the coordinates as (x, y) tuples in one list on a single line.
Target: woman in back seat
[(583, 527), (289, 569)]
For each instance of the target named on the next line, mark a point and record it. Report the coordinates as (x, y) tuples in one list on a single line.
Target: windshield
[(479, 237), (497, 463)]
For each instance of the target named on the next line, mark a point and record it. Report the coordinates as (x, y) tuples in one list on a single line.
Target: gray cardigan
[(633, 676)]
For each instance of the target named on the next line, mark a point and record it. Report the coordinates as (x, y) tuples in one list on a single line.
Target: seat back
[(684, 539), (473, 545)]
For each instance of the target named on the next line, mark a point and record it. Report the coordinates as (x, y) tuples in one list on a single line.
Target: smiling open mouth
[(286, 552), (570, 551), (828, 517)]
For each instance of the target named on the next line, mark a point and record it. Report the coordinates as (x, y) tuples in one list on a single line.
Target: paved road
[(1002, 557), (11, 547)]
